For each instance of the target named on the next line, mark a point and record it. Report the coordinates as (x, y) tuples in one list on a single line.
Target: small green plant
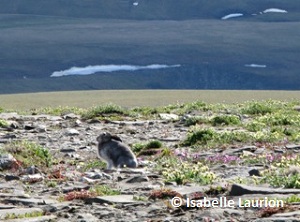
[(57, 111), (199, 136), (136, 148), (3, 123), (278, 179), (144, 111), (258, 108), (292, 199), (139, 198), (216, 190), (92, 164), (225, 120), (104, 190), (102, 110), (26, 215), (255, 126), (182, 172), (150, 148), (194, 120), (194, 106), (30, 153), (52, 183), (154, 144)]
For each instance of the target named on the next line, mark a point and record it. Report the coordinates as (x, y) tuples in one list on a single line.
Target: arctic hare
[(114, 152)]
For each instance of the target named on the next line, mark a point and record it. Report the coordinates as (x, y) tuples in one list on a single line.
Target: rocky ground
[(66, 189)]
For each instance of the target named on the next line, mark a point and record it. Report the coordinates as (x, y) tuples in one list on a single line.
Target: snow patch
[(256, 66), (88, 70), (233, 15), (274, 10), (135, 3)]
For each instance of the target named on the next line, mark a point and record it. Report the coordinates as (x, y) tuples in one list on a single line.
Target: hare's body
[(114, 152)]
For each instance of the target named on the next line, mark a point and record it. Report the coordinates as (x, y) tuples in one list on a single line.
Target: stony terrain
[(76, 187)]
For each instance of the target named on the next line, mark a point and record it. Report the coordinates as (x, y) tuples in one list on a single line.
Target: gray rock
[(87, 217), (168, 116), (137, 179), (238, 190), (288, 214), (116, 199), (277, 219), (32, 178), (30, 201), (293, 146), (78, 186), (7, 116), (32, 170), (48, 218), (5, 206), (11, 177), (7, 161), (71, 116), (189, 190), (72, 132), (67, 150), (297, 108)]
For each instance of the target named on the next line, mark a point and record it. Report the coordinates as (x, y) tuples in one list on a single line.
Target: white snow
[(88, 70), (135, 3), (256, 66), (274, 10), (233, 15)]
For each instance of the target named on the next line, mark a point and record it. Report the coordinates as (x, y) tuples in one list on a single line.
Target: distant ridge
[(257, 50)]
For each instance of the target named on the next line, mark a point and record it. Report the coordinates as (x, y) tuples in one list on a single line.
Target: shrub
[(257, 108), (154, 144), (102, 190), (101, 110), (151, 148), (200, 136), (3, 123), (163, 194), (279, 180), (82, 194), (29, 153), (182, 172), (255, 126), (137, 147), (225, 120), (191, 121), (145, 111)]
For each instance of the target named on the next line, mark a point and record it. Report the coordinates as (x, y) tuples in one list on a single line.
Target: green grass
[(25, 215), (103, 190), (30, 153), (148, 101), (181, 172), (3, 123), (225, 120)]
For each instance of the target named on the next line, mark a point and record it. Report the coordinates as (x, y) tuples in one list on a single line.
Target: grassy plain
[(135, 98)]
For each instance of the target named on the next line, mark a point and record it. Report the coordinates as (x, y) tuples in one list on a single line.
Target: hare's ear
[(116, 138), (102, 137)]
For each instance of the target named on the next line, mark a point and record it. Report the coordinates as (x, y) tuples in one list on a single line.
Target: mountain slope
[(250, 52)]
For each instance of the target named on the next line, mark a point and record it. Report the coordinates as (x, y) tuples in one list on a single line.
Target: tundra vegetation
[(266, 124)]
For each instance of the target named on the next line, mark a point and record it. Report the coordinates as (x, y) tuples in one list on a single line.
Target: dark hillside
[(250, 52), (153, 9)]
